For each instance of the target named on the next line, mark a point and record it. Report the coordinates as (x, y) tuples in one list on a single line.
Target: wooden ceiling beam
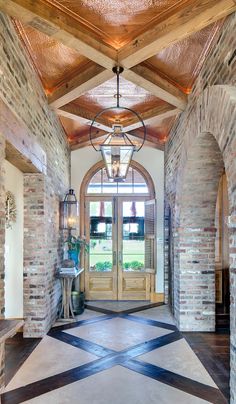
[(192, 18), (151, 117), (80, 141), (151, 141), (53, 22), (92, 77), (61, 27), (153, 120), (83, 116), (56, 24), (144, 77)]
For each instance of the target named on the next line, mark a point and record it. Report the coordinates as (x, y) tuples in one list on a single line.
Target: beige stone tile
[(117, 386), (50, 357), (87, 314), (178, 357), (161, 313), (117, 333), (118, 305)]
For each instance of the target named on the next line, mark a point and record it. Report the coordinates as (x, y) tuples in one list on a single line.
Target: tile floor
[(114, 359)]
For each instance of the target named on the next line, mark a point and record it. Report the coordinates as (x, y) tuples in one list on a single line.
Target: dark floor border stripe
[(80, 323), (148, 321), (153, 344), (179, 382), (197, 389), (63, 379), (128, 311), (51, 383), (114, 358), (99, 309), (81, 343), (133, 351)]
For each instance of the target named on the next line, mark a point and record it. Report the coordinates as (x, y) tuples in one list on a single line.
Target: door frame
[(109, 275), (83, 194), (124, 276)]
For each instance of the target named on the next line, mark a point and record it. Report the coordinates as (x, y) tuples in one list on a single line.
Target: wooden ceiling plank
[(92, 77), (144, 77), (186, 21), (56, 24), (83, 116), (83, 141), (150, 141), (151, 117), (79, 142)]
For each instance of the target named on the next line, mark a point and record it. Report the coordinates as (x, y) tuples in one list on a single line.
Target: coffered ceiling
[(162, 45)]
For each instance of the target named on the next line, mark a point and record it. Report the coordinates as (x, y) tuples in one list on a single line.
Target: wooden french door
[(116, 266)]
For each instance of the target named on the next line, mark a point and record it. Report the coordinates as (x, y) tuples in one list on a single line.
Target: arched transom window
[(135, 183)]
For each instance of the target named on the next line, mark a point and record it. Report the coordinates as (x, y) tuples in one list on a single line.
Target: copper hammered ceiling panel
[(117, 21), (55, 62)]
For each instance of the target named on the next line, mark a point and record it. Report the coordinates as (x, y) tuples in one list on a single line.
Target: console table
[(66, 285)]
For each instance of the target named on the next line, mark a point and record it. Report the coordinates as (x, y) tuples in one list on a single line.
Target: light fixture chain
[(118, 87)]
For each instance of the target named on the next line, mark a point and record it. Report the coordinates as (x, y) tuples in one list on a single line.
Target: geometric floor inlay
[(114, 358), (120, 327)]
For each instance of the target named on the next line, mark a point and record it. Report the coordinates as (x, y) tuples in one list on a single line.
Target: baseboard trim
[(157, 297)]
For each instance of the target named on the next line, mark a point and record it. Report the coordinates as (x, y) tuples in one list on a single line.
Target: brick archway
[(195, 274), (208, 148)]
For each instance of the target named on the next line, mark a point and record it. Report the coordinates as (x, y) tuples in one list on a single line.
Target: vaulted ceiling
[(74, 44)]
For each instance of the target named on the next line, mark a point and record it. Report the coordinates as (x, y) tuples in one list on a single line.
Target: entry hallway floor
[(114, 358)]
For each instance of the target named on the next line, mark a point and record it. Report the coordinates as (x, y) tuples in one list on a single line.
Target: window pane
[(100, 252), (108, 187), (133, 251), (134, 183), (95, 184), (126, 187), (140, 186)]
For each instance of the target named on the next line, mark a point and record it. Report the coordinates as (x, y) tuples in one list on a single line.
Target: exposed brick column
[(195, 299), (34, 256), (41, 254)]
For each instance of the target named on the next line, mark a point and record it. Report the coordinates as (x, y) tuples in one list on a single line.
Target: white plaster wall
[(14, 246), (151, 159)]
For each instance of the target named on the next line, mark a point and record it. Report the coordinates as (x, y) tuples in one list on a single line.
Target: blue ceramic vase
[(73, 255)]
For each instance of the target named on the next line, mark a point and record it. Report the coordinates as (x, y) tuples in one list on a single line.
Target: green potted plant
[(75, 246)]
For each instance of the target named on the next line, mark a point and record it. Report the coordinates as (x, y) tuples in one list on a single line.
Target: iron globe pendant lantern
[(118, 148)]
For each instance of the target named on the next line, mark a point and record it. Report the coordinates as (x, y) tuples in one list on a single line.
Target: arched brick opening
[(195, 298), (210, 143)]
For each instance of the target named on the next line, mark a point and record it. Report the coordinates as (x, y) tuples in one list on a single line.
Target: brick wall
[(2, 223), (22, 94), (201, 144)]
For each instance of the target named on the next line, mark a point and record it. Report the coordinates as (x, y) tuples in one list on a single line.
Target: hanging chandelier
[(117, 149)]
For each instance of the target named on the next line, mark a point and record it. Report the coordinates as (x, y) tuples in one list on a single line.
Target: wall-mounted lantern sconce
[(69, 211)]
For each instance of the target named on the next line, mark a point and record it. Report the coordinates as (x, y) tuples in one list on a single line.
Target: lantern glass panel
[(69, 212), (117, 160)]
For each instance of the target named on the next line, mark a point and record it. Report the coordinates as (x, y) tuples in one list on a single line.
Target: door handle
[(120, 257), (114, 257)]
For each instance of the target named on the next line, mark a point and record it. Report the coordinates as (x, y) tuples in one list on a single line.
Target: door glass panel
[(133, 251), (100, 253)]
